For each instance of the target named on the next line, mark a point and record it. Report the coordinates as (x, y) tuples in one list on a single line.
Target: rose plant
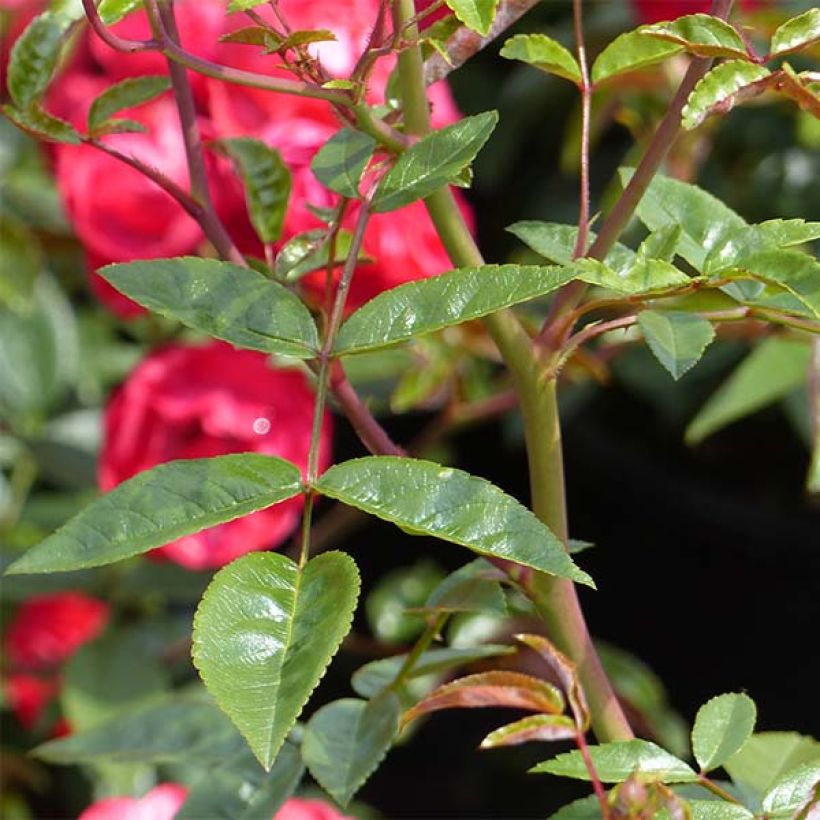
[(269, 196)]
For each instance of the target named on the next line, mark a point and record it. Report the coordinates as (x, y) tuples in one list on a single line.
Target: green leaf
[(660, 244), (373, 677), (253, 36), (718, 90), (630, 51), (112, 675), (644, 276), (264, 634), (556, 243), (615, 762), (433, 161), (543, 52), (309, 251), (585, 808), (704, 220), (126, 94), (346, 740), (677, 339), (477, 15), (424, 498), (112, 11), (471, 588), (240, 789), (534, 727), (796, 34), (427, 305), (244, 5), (20, 263), (700, 34), (718, 810), (221, 299), (42, 125), (34, 56), (772, 370), (181, 728), (794, 790), (722, 726), (161, 505), (267, 183), (341, 161), (768, 756)]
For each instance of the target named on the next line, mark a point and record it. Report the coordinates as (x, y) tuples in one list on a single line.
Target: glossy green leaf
[(704, 220), (264, 633), (433, 161), (267, 183), (346, 740), (309, 251), (719, 88), (532, 728), (722, 726), (427, 305), (643, 276), (34, 55), (373, 677), (221, 299), (474, 587), (677, 339), (794, 790), (42, 125), (185, 728), (240, 789), (424, 498), (112, 11), (796, 34), (556, 243), (161, 505), (700, 34), (543, 52), (126, 94), (768, 756), (340, 162), (615, 762), (111, 675), (477, 15), (630, 51), (718, 810), (772, 370)]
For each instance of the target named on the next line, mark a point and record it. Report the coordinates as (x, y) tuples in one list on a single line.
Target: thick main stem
[(555, 598)]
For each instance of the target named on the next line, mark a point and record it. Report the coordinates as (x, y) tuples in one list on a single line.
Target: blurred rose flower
[(28, 696), (195, 402), (653, 11), (298, 808), (161, 803)]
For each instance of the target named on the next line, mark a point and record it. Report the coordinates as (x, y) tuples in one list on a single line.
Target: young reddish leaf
[(498, 688), (700, 34), (719, 89), (534, 727), (566, 673), (796, 34), (543, 52)]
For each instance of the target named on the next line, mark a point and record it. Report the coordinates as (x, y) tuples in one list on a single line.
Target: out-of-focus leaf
[(180, 728), (793, 791), (264, 633), (474, 587), (424, 498), (340, 162), (426, 305), (534, 727), (126, 94), (722, 727), (433, 161), (774, 368), (615, 762), (719, 88), (20, 262), (700, 34), (267, 183), (477, 15), (631, 51), (543, 52), (677, 339), (491, 689), (346, 740), (221, 299), (795, 34), (162, 504)]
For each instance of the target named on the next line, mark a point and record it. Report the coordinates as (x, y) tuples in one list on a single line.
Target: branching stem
[(586, 104)]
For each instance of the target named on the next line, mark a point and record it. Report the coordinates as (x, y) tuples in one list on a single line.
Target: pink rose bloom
[(298, 808), (653, 11), (194, 402), (161, 803), (48, 629)]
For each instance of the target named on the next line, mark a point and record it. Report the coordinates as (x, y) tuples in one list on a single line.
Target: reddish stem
[(107, 36)]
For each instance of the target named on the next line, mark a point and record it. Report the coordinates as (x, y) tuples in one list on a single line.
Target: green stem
[(555, 598), (422, 645)]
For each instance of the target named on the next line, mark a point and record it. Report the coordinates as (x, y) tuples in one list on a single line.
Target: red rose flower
[(28, 696), (161, 803), (48, 629), (298, 808), (193, 402), (653, 11)]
